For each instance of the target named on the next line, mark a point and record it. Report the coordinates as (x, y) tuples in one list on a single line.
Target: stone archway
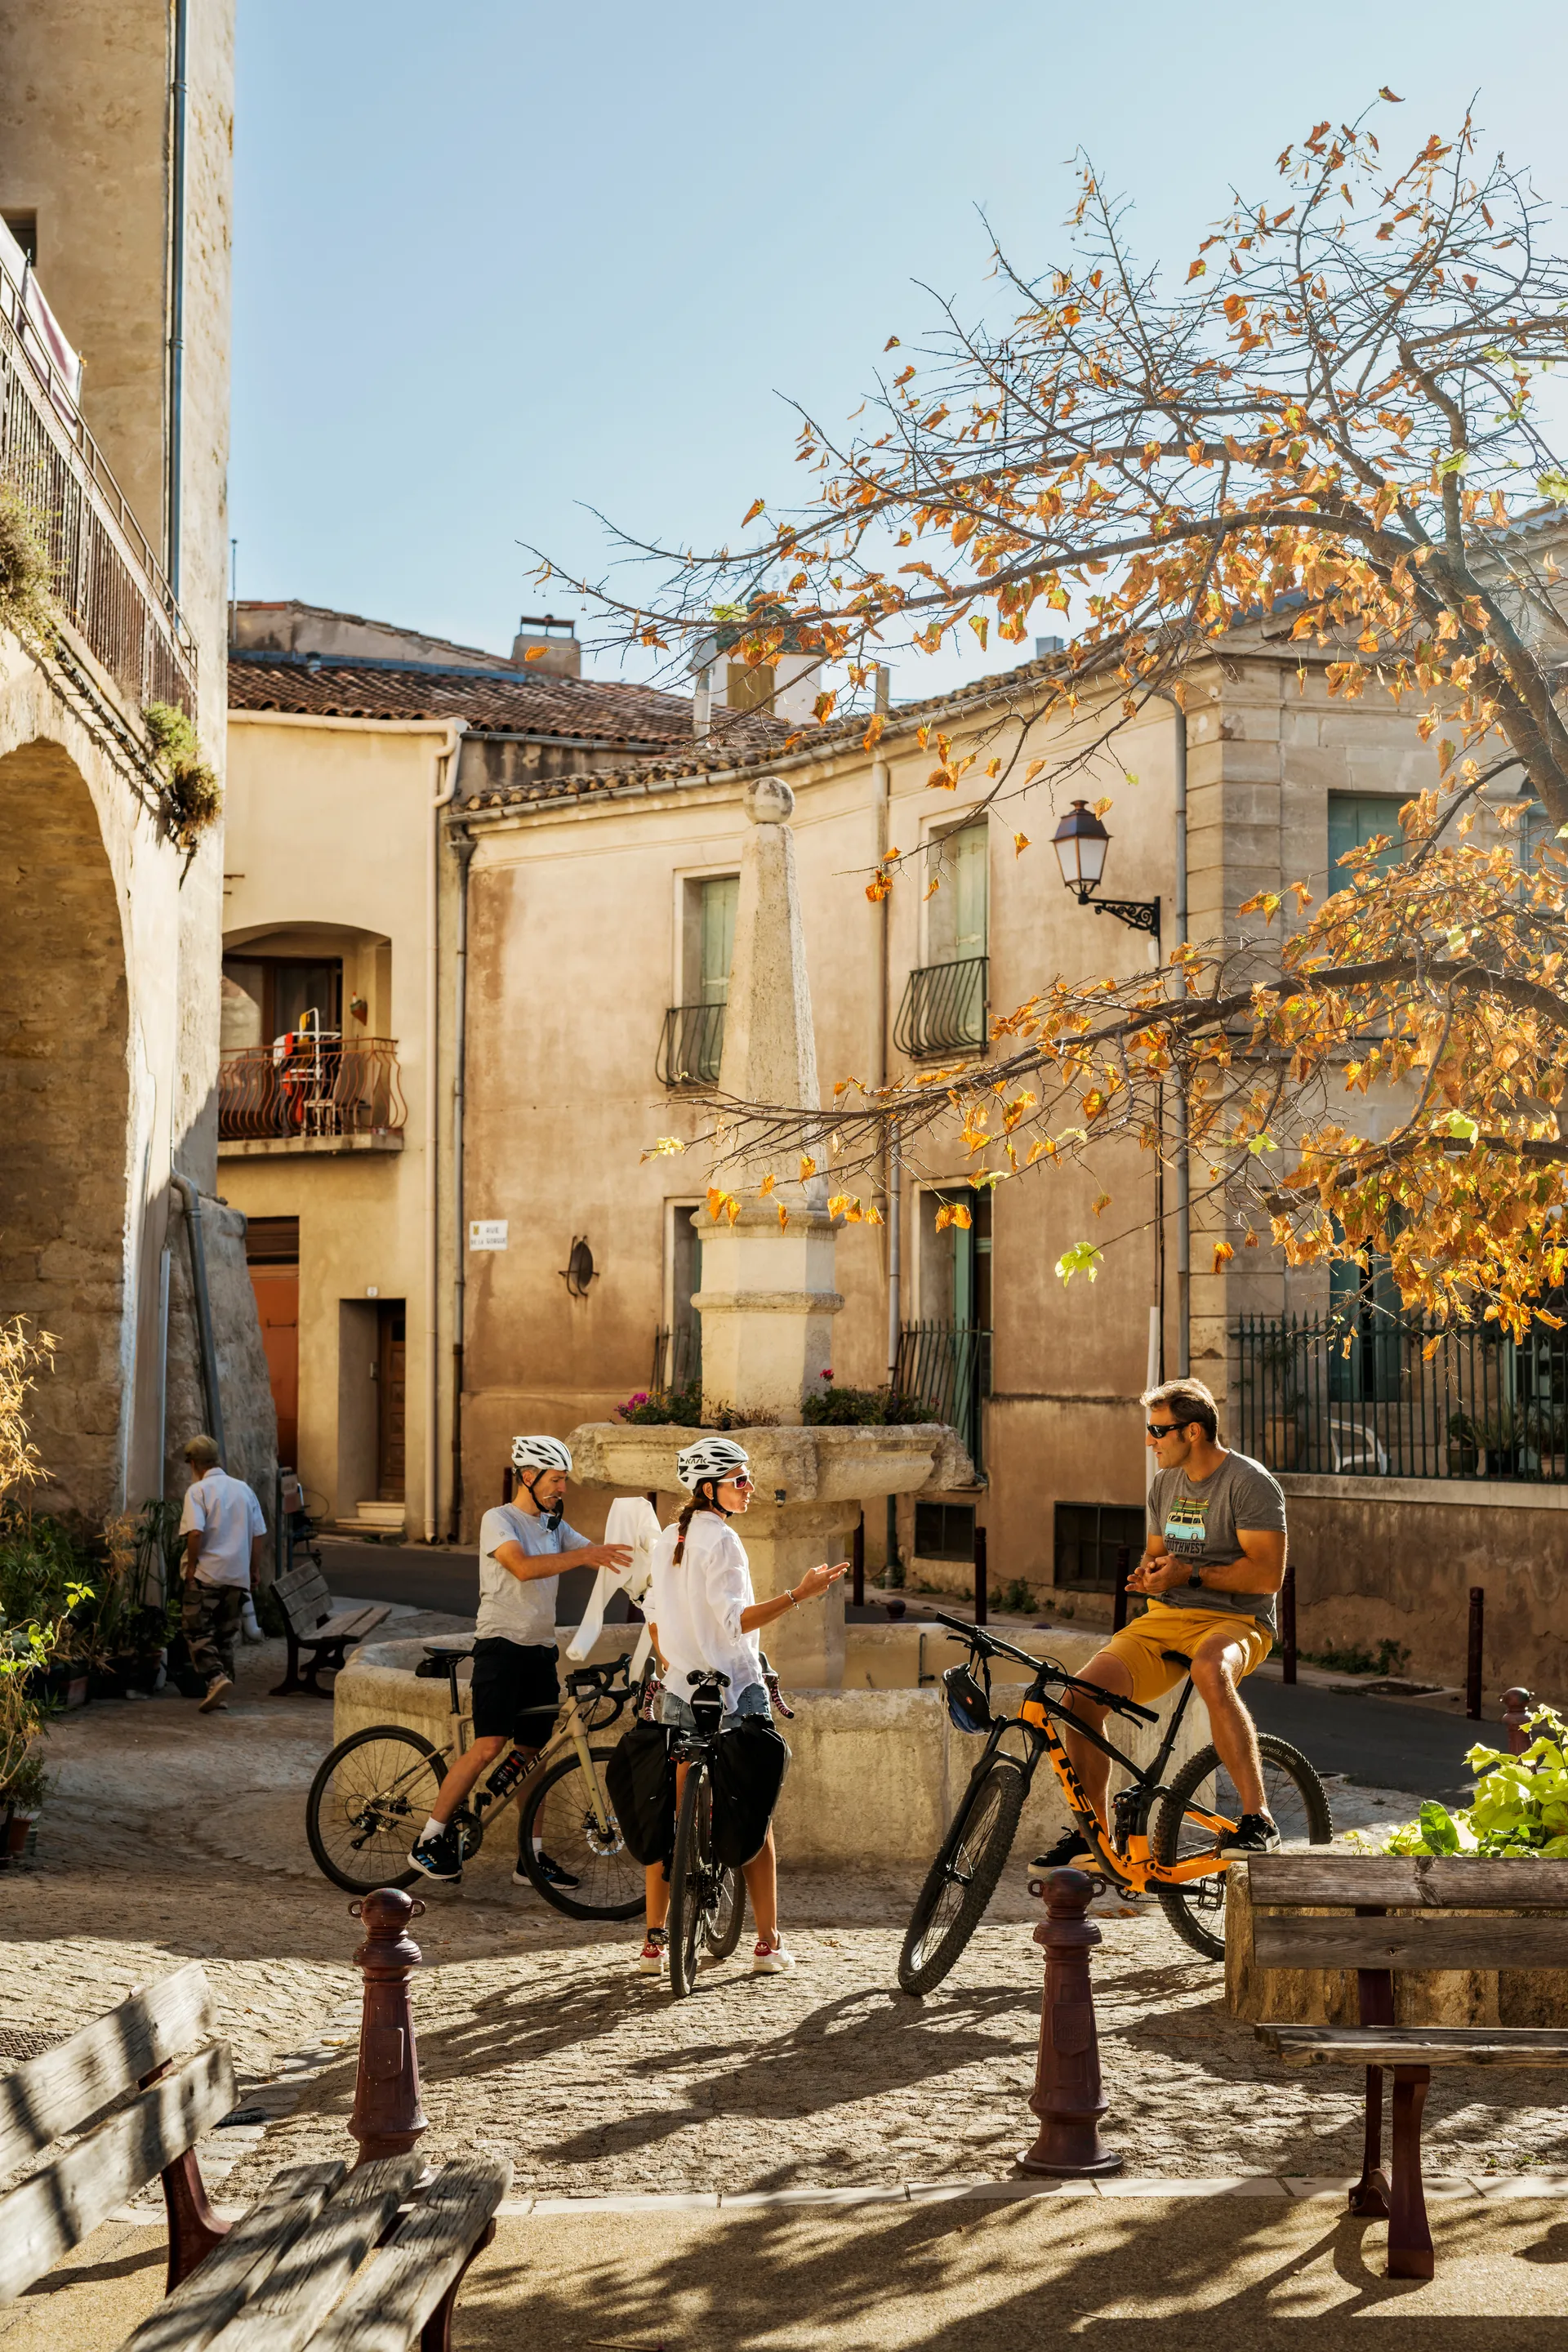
[(64, 1108)]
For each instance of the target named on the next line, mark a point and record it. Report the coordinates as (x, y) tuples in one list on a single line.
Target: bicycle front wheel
[(1293, 1794), (559, 1820), (693, 1879), (368, 1802), (962, 1878), (721, 1928)]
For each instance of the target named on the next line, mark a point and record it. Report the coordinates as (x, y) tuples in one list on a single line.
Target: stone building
[(115, 165)]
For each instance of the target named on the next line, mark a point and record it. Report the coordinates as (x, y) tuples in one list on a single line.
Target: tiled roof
[(601, 712)]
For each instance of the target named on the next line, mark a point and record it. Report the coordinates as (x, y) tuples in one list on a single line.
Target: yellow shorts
[(1140, 1644)]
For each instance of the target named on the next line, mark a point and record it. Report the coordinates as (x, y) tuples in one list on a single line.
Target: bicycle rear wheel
[(693, 1878), (368, 1802), (561, 1817), (962, 1878), (721, 1928), (1293, 1794)]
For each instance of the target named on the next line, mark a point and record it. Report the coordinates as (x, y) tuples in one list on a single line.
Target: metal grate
[(310, 1085), (946, 1369), (676, 1357), (691, 1046), (943, 1008), (1360, 1395)]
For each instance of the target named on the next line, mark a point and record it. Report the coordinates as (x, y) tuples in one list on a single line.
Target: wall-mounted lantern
[(1080, 842)]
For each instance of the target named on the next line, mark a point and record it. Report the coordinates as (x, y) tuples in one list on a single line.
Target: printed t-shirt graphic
[(1186, 1522)]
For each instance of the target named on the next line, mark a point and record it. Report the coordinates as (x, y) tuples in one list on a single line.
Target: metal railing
[(1371, 1394), (311, 1088), (105, 576), (676, 1357), (943, 1008), (945, 1367), (691, 1046)]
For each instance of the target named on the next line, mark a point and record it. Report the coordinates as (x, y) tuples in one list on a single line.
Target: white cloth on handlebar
[(632, 1522)]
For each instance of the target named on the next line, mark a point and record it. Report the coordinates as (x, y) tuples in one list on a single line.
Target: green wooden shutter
[(1355, 817), (719, 901), (965, 856)]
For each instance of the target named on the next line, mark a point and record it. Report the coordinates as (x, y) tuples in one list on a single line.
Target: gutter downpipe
[(881, 785), (447, 752), (177, 296), (464, 845), (1183, 1171), (193, 1205)]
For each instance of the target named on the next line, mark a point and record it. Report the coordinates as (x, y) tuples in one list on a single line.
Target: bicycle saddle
[(439, 1659), (1176, 1657)]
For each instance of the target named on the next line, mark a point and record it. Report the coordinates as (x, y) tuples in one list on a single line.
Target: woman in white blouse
[(704, 1618)]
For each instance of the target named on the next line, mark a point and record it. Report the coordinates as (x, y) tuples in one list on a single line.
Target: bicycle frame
[(571, 1731)]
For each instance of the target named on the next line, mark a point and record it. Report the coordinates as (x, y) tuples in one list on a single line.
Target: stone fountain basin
[(809, 1464)]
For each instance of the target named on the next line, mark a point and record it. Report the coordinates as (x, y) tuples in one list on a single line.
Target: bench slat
[(399, 2287), (302, 2287), (1410, 1943), (1417, 2045), (187, 2320), (1469, 1882), (348, 1623), (60, 2091), (304, 1596), (55, 2210)]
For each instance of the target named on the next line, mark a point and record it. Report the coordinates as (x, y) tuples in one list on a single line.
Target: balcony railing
[(946, 1368), (943, 1009), (1480, 1405), (105, 576), (691, 1046), (311, 1088), (676, 1357)]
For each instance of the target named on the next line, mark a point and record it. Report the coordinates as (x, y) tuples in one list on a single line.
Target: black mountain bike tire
[(721, 1928), (388, 1734), (562, 1898), (689, 1869), (1197, 1910), (990, 1811)]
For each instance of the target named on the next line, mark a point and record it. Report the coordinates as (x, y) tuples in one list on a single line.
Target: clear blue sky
[(498, 263)]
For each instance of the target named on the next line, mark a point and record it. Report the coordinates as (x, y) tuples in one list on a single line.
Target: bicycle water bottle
[(506, 1776)]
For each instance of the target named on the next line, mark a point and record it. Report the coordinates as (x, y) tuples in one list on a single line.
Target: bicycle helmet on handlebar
[(716, 1458), (967, 1702)]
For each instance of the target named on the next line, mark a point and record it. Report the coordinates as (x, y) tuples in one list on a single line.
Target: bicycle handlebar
[(989, 1645)]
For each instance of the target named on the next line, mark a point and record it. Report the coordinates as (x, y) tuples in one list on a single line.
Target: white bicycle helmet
[(541, 1453), (711, 1457)]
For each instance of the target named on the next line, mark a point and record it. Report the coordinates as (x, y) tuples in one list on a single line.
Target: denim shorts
[(752, 1700)]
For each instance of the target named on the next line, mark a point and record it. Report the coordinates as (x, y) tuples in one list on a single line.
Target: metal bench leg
[(290, 1682), (320, 1660), (194, 2228), (435, 2336), (1369, 2198), (1409, 2238)]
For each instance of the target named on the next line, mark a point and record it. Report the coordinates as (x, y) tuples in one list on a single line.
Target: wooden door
[(391, 1378), (276, 1291)]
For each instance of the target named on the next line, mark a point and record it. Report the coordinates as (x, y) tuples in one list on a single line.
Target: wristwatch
[(1195, 1582)]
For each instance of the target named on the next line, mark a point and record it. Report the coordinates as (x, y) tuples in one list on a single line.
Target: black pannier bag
[(749, 1765), (640, 1779)]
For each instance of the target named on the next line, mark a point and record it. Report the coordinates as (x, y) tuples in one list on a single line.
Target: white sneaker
[(652, 1959), (770, 1960), (218, 1690)]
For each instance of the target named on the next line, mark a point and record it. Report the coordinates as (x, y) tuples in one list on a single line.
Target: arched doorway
[(64, 1107)]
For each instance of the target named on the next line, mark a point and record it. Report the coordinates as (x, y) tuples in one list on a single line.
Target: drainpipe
[(447, 752), (178, 295), (465, 844), (1183, 1172), (882, 786), (192, 1198)]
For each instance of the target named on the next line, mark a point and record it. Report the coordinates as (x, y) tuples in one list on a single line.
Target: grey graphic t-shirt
[(1198, 1518)]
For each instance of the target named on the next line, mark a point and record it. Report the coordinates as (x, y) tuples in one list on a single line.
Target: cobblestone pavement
[(171, 1835)]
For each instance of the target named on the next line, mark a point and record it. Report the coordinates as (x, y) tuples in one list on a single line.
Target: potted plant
[(21, 1803)]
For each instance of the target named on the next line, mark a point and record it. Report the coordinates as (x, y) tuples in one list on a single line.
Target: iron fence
[(105, 576), (676, 1357), (943, 1008), (691, 1046), (1367, 1393), (945, 1367), (311, 1086)]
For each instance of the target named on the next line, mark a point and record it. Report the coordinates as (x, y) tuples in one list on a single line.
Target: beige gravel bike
[(373, 1793)]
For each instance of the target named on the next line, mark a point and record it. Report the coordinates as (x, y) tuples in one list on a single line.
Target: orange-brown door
[(276, 1291), (391, 1385)]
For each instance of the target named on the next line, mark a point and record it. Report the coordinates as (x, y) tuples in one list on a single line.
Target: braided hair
[(700, 1501)]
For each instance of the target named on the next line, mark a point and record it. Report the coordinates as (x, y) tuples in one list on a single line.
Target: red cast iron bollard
[(387, 2118), (1068, 2098), (1517, 1706)]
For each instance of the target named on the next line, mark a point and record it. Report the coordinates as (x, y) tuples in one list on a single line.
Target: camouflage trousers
[(209, 1617)]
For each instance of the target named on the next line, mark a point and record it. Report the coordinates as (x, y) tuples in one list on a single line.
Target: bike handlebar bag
[(640, 1779), (747, 1769)]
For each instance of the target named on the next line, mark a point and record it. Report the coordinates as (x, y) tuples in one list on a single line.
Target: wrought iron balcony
[(312, 1092), (945, 1367), (943, 1010), (105, 577), (691, 1046)]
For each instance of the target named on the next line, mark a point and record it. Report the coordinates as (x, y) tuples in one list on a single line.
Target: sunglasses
[(742, 1481), (1163, 1428)]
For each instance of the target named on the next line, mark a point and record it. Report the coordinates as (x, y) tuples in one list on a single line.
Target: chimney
[(547, 647), (1045, 646)]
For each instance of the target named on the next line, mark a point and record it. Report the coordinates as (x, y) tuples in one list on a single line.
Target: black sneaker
[(1254, 1833), (551, 1872), (1069, 1853), (439, 1856)]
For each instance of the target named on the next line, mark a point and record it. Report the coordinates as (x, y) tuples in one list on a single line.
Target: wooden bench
[(1367, 1889), (310, 1626), (322, 2260)]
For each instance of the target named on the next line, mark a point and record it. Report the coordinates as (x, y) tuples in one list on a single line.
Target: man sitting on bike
[(1213, 1561), (523, 1547)]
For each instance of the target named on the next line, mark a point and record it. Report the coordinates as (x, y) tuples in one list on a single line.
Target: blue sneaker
[(438, 1856)]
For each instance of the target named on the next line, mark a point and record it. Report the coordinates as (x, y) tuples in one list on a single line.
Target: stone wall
[(250, 1423)]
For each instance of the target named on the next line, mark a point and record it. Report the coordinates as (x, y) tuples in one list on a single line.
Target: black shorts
[(516, 1693)]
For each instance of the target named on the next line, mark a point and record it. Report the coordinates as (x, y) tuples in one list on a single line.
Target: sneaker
[(1254, 1833), (1069, 1853), (551, 1873), (650, 1960), (771, 1959), (218, 1690), (438, 1856)]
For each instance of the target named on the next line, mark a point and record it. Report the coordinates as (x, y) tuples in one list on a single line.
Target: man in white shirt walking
[(224, 1528)]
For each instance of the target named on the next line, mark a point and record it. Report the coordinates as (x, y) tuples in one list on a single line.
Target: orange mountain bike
[(1165, 1840)]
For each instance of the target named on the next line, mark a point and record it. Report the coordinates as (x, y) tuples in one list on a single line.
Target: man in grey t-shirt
[(1213, 1563)]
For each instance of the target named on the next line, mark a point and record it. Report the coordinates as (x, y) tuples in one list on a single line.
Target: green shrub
[(840, 1407), (26, 602), (1391, 1658), (1521, 1804), (193, 797)]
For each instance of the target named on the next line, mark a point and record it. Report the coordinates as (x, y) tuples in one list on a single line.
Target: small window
[(272, 1240), (746, 688), (1090, 1539), (709, 939), (284, 990), (944, 1531), (1537, 830), (956, 912), (1355, 817), (24, 227)]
